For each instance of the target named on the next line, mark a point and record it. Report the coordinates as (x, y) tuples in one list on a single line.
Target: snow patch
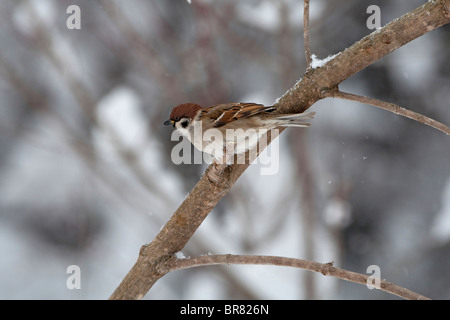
[(317, 63), (179, 255)]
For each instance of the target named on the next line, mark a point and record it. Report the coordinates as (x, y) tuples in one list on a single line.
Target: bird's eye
[(184, 123)]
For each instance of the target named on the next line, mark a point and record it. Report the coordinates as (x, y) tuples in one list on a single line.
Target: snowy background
[(85, 171)]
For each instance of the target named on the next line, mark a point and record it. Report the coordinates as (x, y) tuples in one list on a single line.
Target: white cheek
[(193, 133), (184, 131)]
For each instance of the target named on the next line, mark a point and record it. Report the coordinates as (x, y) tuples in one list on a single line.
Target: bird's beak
[(169, 123)]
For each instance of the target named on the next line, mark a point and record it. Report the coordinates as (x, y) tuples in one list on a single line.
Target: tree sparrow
[(230, 127)]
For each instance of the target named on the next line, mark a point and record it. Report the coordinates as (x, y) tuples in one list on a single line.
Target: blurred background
[(86, 176)]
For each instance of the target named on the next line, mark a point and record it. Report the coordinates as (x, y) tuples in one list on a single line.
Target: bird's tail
[(297, 119)]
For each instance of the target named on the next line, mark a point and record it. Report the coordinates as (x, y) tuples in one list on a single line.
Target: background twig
[(306, 33)]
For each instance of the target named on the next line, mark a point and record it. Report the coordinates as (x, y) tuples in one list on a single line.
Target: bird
[(226, 129)]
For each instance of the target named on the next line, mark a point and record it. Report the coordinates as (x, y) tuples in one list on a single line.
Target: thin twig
[(327, 269), (392, 108), (307, 195), (306, 32)]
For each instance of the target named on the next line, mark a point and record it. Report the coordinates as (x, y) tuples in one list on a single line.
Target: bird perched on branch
[(230, 128)]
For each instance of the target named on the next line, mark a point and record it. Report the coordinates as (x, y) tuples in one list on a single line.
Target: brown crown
[(185, 110)]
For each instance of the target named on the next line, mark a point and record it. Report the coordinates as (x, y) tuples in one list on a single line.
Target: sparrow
[(230, 128)]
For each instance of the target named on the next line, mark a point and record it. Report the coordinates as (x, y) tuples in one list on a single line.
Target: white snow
[(180, 255), (317, 63)]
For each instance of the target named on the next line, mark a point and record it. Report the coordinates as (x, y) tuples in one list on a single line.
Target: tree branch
[(306, 33), (316, 82), (392, 108), (327, 269)]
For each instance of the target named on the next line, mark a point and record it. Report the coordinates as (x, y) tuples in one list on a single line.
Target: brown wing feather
[(234, 111)]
